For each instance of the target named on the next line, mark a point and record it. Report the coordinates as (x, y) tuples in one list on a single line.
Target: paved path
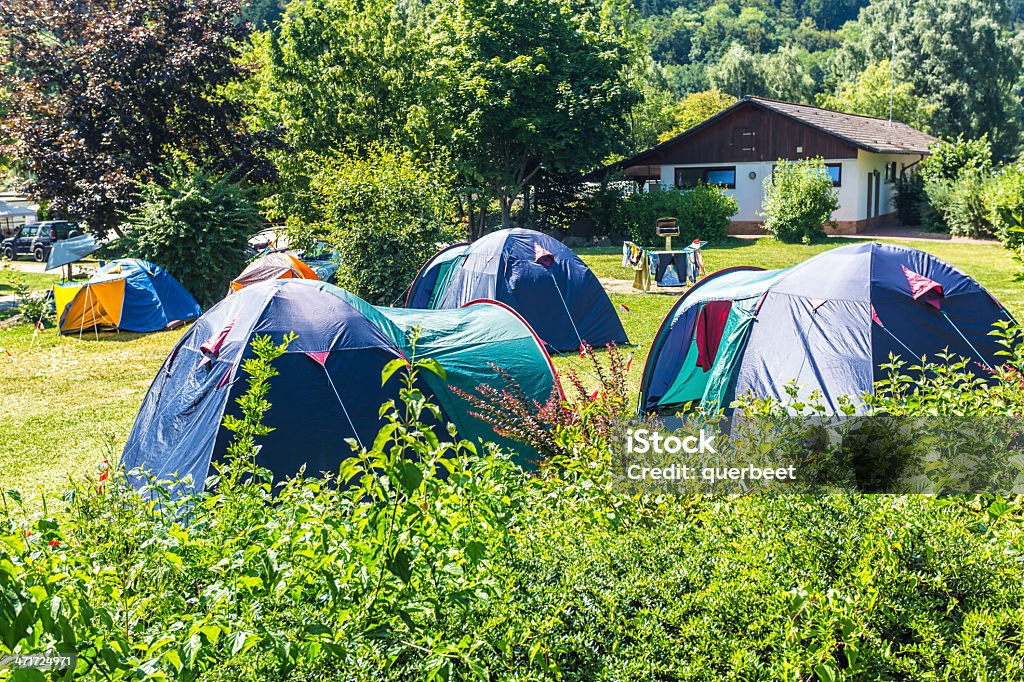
[(897, 233)]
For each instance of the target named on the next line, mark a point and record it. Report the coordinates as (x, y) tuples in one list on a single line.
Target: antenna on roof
[(892, 75)]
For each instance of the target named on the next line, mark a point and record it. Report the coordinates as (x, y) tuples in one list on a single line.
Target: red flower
[(54, 543)]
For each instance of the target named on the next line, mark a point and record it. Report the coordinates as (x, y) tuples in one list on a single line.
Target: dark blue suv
[(36, 239)]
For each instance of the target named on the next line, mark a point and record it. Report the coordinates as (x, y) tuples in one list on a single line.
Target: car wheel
[(9, 253), (39, 253)]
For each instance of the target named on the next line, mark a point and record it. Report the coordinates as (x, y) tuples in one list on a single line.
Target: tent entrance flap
[(723, 339), (95, 305), (446, 271)]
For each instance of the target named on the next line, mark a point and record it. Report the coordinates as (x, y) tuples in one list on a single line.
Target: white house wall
[(853, 200)]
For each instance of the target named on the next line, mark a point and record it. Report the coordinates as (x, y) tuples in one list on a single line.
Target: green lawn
[(68, 404), (36, 281)]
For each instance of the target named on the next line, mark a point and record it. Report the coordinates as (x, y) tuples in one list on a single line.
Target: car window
[(30, 231)]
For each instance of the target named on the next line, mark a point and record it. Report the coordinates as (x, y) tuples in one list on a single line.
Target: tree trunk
[(506, 211), (525, 220), (479, 225)]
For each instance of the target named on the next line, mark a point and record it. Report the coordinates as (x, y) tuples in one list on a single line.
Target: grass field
[(68, 403), (35, 280)]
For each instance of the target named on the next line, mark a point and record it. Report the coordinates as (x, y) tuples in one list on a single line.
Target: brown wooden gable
[(747, 132)]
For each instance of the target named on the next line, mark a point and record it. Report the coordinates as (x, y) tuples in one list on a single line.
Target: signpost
[(668, 228)]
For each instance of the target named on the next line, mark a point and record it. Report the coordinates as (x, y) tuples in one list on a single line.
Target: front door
[(878, 192), (871, 191)]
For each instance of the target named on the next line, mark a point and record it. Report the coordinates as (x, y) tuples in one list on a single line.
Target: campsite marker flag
[(104, 476)]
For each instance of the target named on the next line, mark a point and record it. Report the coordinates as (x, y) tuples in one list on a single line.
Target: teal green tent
[(329, 388)]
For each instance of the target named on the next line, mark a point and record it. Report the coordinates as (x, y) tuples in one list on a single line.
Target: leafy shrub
[(1004, 203), (945, 204), (196, 225), (909, 197), (385, 215), (703, 212), (38, 308), (798, 200), (965, 210), (431, 558), (947, 160)]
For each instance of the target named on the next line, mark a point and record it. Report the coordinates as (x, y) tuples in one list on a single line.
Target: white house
[(738, 147), (15, 211)]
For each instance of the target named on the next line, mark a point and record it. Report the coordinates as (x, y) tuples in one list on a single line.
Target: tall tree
[(100, 90), (959, 55), (530, 86), (342, 73), (873, 93), (738, 73), (696, 108)]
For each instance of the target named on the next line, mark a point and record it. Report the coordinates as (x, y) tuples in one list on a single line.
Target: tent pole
[(980, 356), (905, 347), (344, 411), (81, 323), (555, 281)]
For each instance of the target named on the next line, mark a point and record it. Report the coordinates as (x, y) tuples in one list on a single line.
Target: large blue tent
[(537, 275), (329, 388), (827, 324)]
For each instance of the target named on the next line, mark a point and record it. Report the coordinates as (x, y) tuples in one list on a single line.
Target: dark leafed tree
[(99, 91)]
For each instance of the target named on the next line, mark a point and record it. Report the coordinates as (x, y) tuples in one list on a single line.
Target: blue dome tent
[(537, 275), (826, 324), (127, 294), (329, 388)]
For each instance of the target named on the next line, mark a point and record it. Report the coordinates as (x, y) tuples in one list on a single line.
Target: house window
[(890, 172), (723, 177), (687, 178), (835, 171)]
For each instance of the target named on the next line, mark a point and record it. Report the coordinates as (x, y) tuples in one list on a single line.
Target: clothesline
[(667, 268)]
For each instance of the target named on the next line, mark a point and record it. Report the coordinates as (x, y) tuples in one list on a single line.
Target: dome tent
[(270, 266), (128, 294), (826, 324), (537, 275), (329, 388)]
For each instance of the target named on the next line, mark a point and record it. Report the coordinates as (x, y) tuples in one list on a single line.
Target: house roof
[(10, 210), (871, 134)]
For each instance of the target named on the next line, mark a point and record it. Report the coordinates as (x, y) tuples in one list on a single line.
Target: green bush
[(429, 558), (385, 214), (703, 212), (1004, 203), (909, 197), (947, 205), (799, 200), (196, 225), (947, 160), (965, 211)]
